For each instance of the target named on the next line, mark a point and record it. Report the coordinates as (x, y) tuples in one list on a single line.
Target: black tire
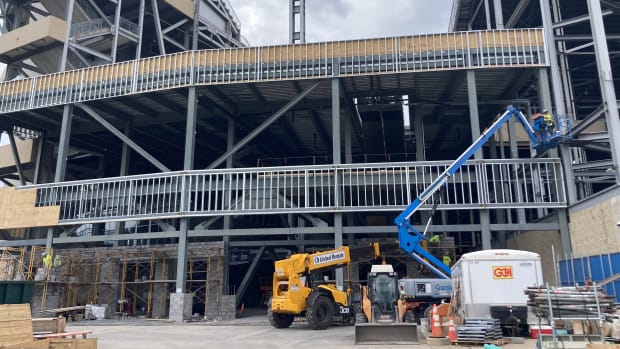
[(279, 320), (319, 314)]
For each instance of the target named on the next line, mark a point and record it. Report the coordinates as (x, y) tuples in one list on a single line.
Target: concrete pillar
[(180, 306), (160, 291)]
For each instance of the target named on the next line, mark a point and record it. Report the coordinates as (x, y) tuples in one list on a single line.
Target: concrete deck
[(251, 331)]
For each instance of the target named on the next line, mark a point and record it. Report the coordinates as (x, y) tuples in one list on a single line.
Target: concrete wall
[(593, 227), (540, 242)]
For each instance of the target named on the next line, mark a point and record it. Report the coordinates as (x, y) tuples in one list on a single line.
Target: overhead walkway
[(484, 184), (421, 53)]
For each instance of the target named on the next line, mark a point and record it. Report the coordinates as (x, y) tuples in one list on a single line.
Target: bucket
[(424, 325)]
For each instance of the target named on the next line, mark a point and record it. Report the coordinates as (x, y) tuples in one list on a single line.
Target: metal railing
[(101, 25), (531, 183), (432, 52)]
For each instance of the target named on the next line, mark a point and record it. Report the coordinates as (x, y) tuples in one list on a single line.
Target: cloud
[(267, 21)]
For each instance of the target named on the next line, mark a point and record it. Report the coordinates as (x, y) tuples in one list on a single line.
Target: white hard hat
[(545, 111)]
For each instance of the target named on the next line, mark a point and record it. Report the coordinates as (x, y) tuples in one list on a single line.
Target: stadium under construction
[(167, 163)]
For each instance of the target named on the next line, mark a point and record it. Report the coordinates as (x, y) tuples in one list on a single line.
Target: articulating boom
[(409, 238)]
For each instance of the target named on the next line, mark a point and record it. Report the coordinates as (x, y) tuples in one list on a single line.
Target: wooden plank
[(73, 343), (52, 325)]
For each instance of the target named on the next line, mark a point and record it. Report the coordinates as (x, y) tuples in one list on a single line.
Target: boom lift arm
[(410, 239)]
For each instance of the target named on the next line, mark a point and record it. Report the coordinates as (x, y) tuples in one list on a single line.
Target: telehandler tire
[(319, 314), (279, 320)]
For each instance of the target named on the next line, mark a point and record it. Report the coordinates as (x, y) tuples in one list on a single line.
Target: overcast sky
[(266, 21)]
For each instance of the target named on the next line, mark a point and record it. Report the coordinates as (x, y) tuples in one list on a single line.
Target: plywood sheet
[(19, 211)]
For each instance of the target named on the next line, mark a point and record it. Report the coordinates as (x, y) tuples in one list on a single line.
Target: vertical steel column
[(65, 48), (558, 98), (297, 7), (61, 160), (336, 147), (608, 91), (474, 120), (418, 128), (188, 164), (499, 16), (117, 20), (487, 13), (120, 226), (140, 29), (230, 142), (37, 165), (18, 162)]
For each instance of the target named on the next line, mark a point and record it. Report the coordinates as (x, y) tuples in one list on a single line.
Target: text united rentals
[(329, 257)]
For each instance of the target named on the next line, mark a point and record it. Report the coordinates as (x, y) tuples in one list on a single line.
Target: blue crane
[(409, 239)]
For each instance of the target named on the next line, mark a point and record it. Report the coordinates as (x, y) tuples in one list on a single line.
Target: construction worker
[(446, 259), (435, 240), (548, 119), (57, 262), (47, 260)]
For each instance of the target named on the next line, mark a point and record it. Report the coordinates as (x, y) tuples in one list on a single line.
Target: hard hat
[(545, 111)]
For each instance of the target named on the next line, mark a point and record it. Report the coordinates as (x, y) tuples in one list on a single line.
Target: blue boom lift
[(410, 239)]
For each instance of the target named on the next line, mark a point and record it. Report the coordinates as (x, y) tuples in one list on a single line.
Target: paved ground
[(249, 332)]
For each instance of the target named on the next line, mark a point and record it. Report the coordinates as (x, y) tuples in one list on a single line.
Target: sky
[(265, 22)]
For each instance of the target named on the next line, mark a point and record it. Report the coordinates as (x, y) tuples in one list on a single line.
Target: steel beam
[(65, 47), (263, 126), (158, 32), (243, 286), (18, 162), (517, 13), (123, 138)]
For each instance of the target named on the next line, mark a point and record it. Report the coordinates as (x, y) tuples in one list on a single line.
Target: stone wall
[(593, 228), (539, 242)]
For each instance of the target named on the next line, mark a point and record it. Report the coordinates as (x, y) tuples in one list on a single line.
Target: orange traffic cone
[(452, 331), (435, 323)]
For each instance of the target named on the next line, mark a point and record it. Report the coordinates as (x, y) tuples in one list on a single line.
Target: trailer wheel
[(320, 313), (279, 320)]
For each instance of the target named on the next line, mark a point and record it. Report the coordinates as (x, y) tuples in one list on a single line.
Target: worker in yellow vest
[(47, 260)]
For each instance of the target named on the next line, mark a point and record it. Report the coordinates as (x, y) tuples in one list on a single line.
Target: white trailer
[(491, 283)]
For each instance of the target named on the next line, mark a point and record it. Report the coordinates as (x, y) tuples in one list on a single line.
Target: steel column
[(123, 138), (263, 126), (117, 20), (61, 160), (418, 128), (564, 230), (607, 83), (474, 121), (336, 154), (141, 29), (188, 164), (230, 142), (499, 16)]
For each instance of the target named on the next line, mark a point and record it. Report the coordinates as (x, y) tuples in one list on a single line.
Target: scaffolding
[(133, 282)]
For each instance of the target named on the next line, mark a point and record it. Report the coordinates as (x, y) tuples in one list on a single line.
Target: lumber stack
[(15, 324), (569, 302), (16, 332)]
